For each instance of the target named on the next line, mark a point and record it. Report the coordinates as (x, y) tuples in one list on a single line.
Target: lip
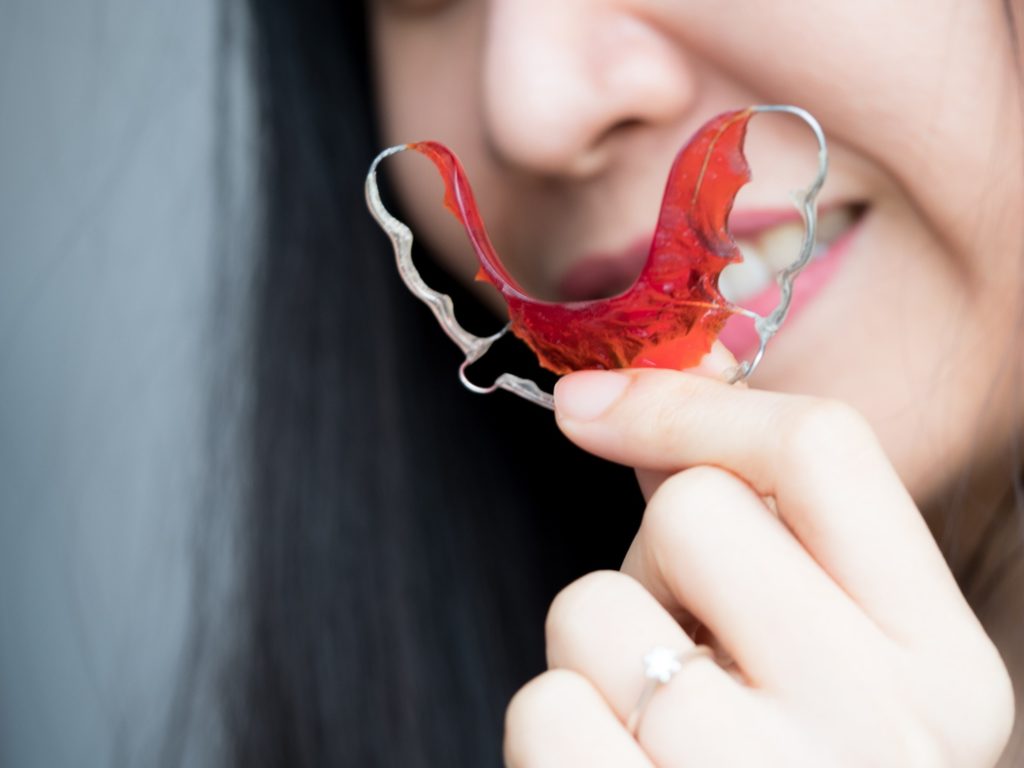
[(601, 275), (749, 224), (739, 334)]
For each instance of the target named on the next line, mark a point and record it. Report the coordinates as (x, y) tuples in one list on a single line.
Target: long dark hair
[(401, 538)]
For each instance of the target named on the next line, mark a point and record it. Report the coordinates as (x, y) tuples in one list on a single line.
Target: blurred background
[(108, 268)]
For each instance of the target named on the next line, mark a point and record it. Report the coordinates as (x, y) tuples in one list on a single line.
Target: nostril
[(562, 91), (625, 126), (622, 129), (595, 157)]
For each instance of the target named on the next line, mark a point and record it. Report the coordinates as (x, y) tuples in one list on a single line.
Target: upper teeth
[(775, 249)]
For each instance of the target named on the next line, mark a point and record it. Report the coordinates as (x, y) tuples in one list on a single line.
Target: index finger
[(833, 485)]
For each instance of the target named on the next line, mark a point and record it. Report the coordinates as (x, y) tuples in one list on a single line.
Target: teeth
[(774, 250), (779, 246), (834, 223), (738, 282)]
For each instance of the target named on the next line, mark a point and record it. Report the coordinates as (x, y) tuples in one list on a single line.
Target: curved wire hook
[(806, 201), (474, 347)]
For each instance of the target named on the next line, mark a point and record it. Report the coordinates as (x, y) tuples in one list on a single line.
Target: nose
[(566, 80)]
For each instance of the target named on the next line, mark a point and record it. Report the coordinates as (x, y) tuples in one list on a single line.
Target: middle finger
[(708, 545)]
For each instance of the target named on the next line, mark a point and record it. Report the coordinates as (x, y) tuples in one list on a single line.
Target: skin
[(792, 518)]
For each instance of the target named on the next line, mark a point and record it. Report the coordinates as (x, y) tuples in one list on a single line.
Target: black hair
[(401, 538)]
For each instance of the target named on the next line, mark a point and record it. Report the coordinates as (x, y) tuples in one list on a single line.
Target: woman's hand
[(851, 640)]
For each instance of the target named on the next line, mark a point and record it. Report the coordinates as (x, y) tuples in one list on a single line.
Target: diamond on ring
[(660, 664)]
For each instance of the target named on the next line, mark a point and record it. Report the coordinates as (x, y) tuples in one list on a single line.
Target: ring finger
[(603, 624)]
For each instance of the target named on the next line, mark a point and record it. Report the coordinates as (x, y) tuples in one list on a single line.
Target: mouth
[(770, 243), (768, 250), (602, 275)]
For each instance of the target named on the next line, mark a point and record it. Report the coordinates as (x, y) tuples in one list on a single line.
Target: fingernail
[(716, 363), (587, 395)]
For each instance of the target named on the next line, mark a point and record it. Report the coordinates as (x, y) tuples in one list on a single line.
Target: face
[(567, 116)]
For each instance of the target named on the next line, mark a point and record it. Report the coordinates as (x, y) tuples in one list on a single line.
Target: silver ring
[(660, 665)]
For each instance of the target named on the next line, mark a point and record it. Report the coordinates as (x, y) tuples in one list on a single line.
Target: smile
[(751, 284), (769, 250)]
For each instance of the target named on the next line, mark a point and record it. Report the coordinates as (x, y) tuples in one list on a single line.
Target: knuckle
[(587, 597), (967, 711), (536, 706), (917, 746), (1003, 706), (822, 430), (989, 706), (678, 510), (690, 516)]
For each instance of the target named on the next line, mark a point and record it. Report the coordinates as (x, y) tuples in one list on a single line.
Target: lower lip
[(739, 334)]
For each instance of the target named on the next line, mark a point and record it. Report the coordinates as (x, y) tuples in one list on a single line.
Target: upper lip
[(750, 224), (600, 274)]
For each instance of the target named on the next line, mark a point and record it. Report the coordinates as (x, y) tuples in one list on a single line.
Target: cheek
[(425, 81), (924, 91), (924, 340), (427, 90), (924, 328)]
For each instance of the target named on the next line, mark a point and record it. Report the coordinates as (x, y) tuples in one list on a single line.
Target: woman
[(405, 539)]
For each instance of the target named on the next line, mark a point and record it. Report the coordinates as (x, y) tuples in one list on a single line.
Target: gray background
[(106, 265)]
